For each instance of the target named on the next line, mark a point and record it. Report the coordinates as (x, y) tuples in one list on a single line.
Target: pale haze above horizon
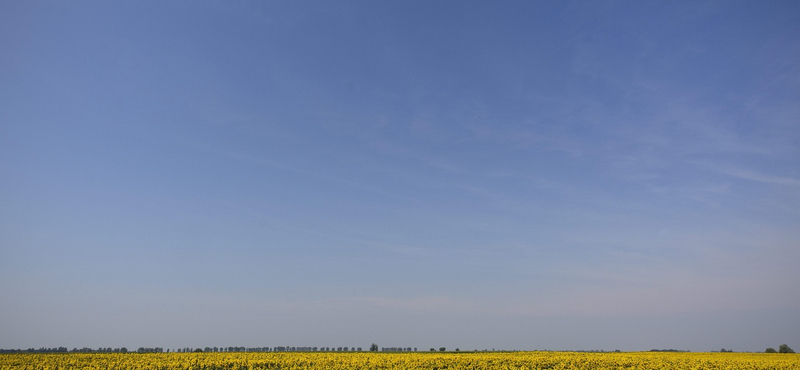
[(587, 175)]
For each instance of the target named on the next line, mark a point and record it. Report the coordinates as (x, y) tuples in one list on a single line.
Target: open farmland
[(438, 361)]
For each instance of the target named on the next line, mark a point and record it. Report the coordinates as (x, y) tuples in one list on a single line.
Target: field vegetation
[(400, 361)]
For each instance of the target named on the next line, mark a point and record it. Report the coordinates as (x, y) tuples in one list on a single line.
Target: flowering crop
[(401, 361)]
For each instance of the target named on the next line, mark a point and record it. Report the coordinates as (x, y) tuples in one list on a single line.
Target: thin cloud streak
[(768, 179)]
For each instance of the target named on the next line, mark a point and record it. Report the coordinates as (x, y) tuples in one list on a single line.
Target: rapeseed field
[(401, 361)]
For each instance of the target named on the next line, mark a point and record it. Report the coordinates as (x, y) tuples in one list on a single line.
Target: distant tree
[(785, 349), (373, 347), (433, 349), (770, 350), (442, 349), (457, 350)]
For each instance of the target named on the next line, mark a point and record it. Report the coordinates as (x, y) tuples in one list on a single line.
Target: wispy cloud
[(289, 167), (768, 179)]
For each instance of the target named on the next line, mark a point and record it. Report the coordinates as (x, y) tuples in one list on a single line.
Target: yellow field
[(437, 361)]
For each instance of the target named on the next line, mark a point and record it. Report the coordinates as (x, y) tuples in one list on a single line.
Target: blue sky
[(525, 175)]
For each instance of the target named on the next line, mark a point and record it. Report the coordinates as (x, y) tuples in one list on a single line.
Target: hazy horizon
[(474, 175)]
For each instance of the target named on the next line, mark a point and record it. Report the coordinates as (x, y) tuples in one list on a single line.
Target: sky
[(591, 175)]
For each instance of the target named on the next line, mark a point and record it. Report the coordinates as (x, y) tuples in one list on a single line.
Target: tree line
[(783, 348), (189, 349), (84, 350)]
